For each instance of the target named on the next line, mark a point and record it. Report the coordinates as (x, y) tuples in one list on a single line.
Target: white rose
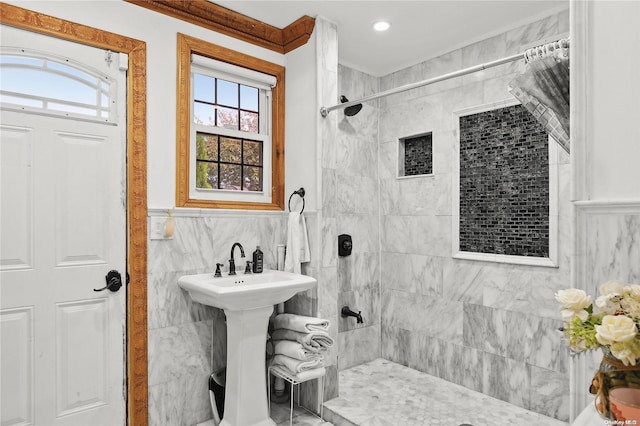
[(605, 306), (615, 328), (625, 355), (633, 290), (611, 288), (573, 302)]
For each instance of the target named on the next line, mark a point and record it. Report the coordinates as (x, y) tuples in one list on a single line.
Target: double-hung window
[(232, 139)]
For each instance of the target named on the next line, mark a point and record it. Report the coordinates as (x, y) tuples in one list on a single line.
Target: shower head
[(351, 110)]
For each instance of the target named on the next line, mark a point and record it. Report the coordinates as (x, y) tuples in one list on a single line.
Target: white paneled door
[(63, 229)]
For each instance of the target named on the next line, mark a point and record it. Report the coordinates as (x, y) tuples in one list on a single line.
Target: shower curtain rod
[(324, 111)]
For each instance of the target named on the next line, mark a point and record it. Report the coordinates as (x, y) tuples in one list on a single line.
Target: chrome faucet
[(232, 262)]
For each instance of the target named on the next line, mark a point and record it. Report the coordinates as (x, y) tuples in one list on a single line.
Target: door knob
[(114, 282)]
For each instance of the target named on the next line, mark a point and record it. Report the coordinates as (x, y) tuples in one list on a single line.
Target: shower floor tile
[(381, 392)]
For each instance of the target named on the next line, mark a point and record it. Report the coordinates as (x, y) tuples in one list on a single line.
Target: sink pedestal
[(246, 383)]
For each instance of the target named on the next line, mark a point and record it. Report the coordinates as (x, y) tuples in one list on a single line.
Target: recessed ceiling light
[(381, 26)]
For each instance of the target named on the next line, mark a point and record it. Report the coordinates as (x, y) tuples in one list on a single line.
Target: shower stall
[(487, 326)]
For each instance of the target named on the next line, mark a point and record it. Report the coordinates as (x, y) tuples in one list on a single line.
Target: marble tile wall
[(357, 214), (490, 327), (187, 340)]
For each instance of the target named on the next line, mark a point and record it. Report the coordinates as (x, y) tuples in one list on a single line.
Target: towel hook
[(301, 193)]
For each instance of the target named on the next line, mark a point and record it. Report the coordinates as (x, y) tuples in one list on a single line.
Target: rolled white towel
[(315, 341), (295, 365), (293, 349), (300, 323), (303, 376)]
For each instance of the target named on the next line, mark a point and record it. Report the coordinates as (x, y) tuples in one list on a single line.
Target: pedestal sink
[(248, 302)]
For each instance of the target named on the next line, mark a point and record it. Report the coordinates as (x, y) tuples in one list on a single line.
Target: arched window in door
[(38, 83)]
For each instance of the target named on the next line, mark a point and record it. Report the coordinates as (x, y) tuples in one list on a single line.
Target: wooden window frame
[(187, 46)]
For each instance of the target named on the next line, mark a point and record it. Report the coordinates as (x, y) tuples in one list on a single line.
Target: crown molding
[(220, 19)]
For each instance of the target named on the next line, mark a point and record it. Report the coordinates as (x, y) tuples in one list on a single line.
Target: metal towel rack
[(301, 193)]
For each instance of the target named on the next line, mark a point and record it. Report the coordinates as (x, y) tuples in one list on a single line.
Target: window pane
[(227, 93), (35, 103), (253, 153), (66, 69), (249, 122), (230, 150), (203, 114), (252, 178), (249, 98), (21, 60), (206, 175), (228, 118), (204, 88), (207, 147), (230, 176), (44, 84)]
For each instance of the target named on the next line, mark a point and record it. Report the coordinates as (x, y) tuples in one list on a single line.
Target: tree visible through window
[(225, 162), (230, 148)]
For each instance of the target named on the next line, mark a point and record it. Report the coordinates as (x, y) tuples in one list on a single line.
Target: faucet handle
[(247, 269), (218, 273)]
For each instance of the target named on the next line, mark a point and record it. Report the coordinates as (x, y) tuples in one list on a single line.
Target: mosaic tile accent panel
[(504, 183), (418, 155)]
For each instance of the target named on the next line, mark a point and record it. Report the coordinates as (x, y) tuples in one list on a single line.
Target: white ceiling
[(420, 29)]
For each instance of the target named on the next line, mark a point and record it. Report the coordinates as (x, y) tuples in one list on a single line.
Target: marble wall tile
[(549, 393), (329, 193), (497, 89), (365, 300), (180, 350), (358, 156), (520, 288), (415, 196), (358, 271), (427, 235), (358, 346), (437, 317), (613, 237), (396, 345), (425, 353), (474, 331), (357, 194), (329, 245), (506, 379), (169, 305), (184, 401), (533, 32), (328, 292), (364, 230), (412, 273), (489, 49), (461, 280)]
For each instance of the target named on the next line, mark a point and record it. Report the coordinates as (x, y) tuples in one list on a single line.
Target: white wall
[(613, 100), (605, 152), (301, 111), (159, 33)]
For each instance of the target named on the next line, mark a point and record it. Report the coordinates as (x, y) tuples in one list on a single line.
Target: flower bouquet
[(611, 324)]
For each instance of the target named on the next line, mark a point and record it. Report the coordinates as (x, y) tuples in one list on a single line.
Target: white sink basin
[(248, 302), (241, 292)]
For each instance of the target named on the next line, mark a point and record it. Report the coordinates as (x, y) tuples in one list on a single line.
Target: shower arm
[(324, 111)]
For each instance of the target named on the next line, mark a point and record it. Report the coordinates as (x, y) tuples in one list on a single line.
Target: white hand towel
[(297, 243), (315, 341), (292, 349), (300, 323), (296, 366)]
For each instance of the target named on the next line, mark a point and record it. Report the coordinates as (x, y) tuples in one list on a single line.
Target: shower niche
[(415, 155)]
